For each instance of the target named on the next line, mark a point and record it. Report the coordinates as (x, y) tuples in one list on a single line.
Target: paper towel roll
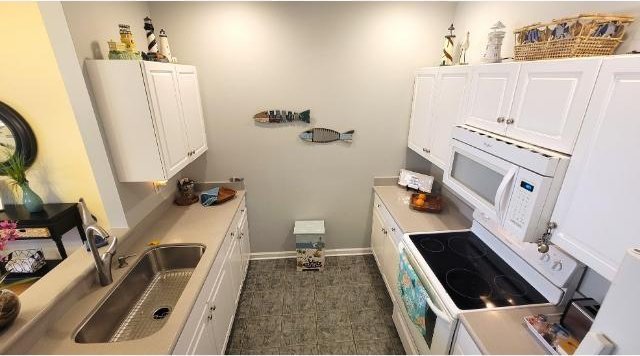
[(618, 317)]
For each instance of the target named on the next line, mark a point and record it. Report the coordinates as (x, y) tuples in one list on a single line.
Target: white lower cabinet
[(385, 237), (209, 324), (463, 344)]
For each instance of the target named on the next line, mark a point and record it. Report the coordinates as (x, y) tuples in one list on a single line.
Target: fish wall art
[(280, 116), (322, 135)]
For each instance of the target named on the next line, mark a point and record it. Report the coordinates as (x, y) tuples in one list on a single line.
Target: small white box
[(309, 244)]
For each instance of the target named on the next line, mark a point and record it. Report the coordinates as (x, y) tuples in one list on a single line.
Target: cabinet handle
[(500, 119), (378, 205), (393, 229), (424, 149), (510, 121), (210, 317), (242, 210), (213, 308), (233, 234), (240, 236)]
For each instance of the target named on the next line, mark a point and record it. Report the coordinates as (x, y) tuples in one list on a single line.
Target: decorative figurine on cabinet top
[(165, 50), (126, 48), (447, 49), (152, 44), (494, 45)]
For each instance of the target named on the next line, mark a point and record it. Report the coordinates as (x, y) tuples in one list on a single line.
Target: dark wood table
[(56, 218)]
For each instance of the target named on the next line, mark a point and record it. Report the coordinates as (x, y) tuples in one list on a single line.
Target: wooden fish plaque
[(280, 116)]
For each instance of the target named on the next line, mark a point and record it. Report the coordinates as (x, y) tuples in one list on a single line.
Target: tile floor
[(343, 310)]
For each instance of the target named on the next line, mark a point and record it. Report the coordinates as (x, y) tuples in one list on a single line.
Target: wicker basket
[(570, 37)]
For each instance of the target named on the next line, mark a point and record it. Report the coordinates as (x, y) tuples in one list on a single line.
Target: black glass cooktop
[(473, 275)]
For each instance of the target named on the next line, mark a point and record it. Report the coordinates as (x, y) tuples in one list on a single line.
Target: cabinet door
[(377, 236), (189, 90), (391, 260), (447, 109), (550, 102), (421, 119), (490, 96), (597, 209), (245, 244), (163, 96), (235, 261), (203, 341), (222, 307)]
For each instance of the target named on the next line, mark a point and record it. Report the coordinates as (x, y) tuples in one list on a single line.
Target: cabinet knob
[(241, 235), (510, 121), (424, 149), (393, 229), (378, 205), (242, 210), (500, 119), (233, 234), (210, 317), (213, 308)]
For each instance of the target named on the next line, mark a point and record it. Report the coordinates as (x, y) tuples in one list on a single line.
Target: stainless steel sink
[(140, 304)]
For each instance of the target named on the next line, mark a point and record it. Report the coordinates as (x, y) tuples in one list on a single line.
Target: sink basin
[(143, 300)]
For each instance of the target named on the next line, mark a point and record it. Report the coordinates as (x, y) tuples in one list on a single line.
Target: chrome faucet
[(103, 263)]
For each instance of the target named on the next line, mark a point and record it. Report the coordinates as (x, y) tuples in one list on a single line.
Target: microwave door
[(482, 179)]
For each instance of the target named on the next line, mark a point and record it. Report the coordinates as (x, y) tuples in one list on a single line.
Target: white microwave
[(512, 185)]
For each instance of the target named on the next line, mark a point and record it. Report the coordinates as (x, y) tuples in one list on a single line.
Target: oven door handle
[(439, 313), (502, 192)]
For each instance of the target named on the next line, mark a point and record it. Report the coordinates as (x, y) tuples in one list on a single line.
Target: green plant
[(15, 168)]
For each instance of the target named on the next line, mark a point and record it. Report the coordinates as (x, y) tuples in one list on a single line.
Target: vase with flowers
[(16, 169), (9, 302)]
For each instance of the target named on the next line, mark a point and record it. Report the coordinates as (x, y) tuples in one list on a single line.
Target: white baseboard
[(291, 254)]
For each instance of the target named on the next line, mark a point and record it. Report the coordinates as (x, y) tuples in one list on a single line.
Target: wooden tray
[(433, 204), (224, 195)]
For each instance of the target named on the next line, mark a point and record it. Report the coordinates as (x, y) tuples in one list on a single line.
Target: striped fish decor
[(280, 116), (322, 135)]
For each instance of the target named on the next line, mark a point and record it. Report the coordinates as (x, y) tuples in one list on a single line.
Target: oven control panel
[(556, 265)]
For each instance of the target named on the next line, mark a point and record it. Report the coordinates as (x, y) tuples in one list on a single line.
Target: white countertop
[(396, 200), (78, 292), (503, 331)]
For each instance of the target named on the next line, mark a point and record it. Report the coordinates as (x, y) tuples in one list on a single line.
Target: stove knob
[(557, 266), (545, 257)]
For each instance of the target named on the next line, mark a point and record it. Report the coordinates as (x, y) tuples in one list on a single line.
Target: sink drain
[(161, 313)]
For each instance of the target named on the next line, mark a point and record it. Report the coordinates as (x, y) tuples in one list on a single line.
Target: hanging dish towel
[(413, 293), (209, 197)]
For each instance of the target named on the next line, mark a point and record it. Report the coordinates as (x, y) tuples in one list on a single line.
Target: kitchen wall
[(350, 63), (91, 25), (31, 83), (477, 17)]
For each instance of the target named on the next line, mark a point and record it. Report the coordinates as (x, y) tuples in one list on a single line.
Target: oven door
[(440, 323), (484, 180)]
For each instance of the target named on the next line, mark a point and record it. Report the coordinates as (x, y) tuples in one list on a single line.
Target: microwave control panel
[(527, 199)]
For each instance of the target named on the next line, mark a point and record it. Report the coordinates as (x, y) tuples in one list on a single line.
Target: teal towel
[(209, 197), (413, 293)]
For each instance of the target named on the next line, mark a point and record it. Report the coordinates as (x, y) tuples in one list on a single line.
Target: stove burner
[(468, 284), (432, 245), (464, 247), (509, 286)]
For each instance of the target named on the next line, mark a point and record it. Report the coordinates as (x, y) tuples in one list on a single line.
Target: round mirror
[(16, 136)]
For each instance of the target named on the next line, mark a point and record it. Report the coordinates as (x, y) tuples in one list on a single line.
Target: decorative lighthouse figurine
[(152, 45), (494, 46), (165, 50), (447, 49)]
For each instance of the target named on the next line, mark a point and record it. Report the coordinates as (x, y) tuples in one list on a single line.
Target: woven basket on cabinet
[(580, 43)]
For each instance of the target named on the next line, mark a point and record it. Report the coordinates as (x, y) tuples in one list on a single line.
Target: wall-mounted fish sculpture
[(279, 116), (322, 135)]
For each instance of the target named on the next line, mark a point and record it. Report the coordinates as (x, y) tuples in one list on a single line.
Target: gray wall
[(350, 63)]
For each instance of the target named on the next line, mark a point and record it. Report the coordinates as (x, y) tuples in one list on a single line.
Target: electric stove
[(472, 274)]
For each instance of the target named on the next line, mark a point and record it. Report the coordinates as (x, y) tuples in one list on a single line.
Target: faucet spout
[(103, 263)]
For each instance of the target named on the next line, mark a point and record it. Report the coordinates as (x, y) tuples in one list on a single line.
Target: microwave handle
[(502, 191)]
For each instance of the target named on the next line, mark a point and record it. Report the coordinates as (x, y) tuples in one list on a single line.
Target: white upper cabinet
[(421, 113), (165, 106), (151, 114), (597, 212), (490, 96), (550, 102), (192, 108), (447, 106)]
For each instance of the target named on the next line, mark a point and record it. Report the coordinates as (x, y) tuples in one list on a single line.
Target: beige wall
[(478, 17), (31, 83), (350, 63), (91, 25)]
